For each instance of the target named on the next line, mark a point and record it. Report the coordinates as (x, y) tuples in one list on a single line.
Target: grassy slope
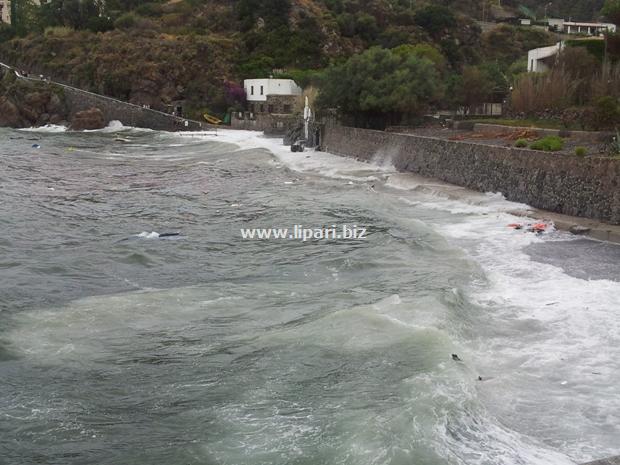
[(187, 50)]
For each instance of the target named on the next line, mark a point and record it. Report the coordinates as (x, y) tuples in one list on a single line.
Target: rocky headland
[(27, 103)]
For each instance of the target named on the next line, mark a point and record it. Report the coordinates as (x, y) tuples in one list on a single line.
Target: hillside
[(197, 51)]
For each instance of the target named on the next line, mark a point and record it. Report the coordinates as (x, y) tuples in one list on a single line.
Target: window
[(270, 108), (287, 108), (261, 90), (252, 90), (262, 108)]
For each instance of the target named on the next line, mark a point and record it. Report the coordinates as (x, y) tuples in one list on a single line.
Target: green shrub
[(521, 143), (149, 9), (548, 144), (607, 112), (581, 151), (615, 144), (126, 21), (58, 31)]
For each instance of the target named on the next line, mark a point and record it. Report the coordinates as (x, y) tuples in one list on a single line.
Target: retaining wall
[(127, 113), (587, 187), (116, 110)]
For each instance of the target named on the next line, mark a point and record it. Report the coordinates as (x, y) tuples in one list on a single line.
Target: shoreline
[(567, 185), (578, 226)]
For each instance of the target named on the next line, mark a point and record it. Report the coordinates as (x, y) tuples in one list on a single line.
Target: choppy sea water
[(121, 347)]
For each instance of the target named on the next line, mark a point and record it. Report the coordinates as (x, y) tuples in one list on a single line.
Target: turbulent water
[(121, 347)]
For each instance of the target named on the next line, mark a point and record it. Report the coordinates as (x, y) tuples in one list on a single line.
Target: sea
[(140, 324)]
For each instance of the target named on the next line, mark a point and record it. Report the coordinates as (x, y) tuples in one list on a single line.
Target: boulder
[(56, 119), (10, 115), (88, 119), (56, 105)]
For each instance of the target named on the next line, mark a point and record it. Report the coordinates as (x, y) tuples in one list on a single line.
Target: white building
[(573, 27), (257, 90), (541, 59), (5, 11)]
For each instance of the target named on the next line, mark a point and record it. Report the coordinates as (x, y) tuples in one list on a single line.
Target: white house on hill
[(574, 27), (279, 96), (541, 59), (5, 11), (257, 90)]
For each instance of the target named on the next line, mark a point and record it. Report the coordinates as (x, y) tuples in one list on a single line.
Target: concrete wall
[(587, 187)]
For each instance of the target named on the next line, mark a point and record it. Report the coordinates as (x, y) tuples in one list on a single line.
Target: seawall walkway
[(569, 185), (113, 109)]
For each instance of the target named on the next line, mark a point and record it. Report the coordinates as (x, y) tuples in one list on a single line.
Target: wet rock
[(43, 119), (10, 115), (579, 230), (56, 105), (56, 119), (87, 120)]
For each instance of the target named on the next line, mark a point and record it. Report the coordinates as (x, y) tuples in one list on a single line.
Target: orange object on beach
[(539, 227), (515, 226)]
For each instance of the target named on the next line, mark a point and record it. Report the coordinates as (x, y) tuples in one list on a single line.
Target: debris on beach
[(537, 228)]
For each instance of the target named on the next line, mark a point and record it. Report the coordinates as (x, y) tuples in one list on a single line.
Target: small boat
[(211, 119)]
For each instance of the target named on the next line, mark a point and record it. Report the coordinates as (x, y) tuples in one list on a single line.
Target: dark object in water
[(36, 146), (169, 234), (479, 378), (298, 146), (456, 358)]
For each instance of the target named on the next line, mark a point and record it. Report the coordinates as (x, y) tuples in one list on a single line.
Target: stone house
[(272, 105)]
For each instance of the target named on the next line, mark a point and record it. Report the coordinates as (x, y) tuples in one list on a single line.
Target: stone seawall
[(586, 187), (77, 100), (130, 115)]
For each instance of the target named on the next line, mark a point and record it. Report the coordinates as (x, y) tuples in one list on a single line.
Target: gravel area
[(505, 139)]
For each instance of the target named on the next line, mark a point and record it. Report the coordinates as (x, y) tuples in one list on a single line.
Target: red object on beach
[(539, 227), (515, 226)]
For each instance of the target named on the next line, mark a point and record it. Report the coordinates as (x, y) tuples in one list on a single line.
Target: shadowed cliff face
[(26, 103), (142, 67)]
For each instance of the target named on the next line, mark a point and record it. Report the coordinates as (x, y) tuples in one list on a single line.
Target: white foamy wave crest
[(551, 339), (113, 126), (47, 128), (310, 161), (148, 235)]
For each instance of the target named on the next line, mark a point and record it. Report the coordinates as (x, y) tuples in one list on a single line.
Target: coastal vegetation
[(378, 62), (548, 144), (581, 151)]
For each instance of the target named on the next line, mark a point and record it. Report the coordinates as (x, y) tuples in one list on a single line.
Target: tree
[(24, 16), (380, 86), (611, 10), (473, 87), (435, 19)]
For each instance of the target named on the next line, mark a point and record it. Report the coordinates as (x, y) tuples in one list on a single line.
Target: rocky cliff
[(29, 103)]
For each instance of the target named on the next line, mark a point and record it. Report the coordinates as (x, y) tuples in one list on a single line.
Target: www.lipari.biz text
[(300, 233)]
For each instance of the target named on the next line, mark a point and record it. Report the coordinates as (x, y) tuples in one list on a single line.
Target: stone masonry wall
[(127, 113), (587, 187), (117, 110)]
